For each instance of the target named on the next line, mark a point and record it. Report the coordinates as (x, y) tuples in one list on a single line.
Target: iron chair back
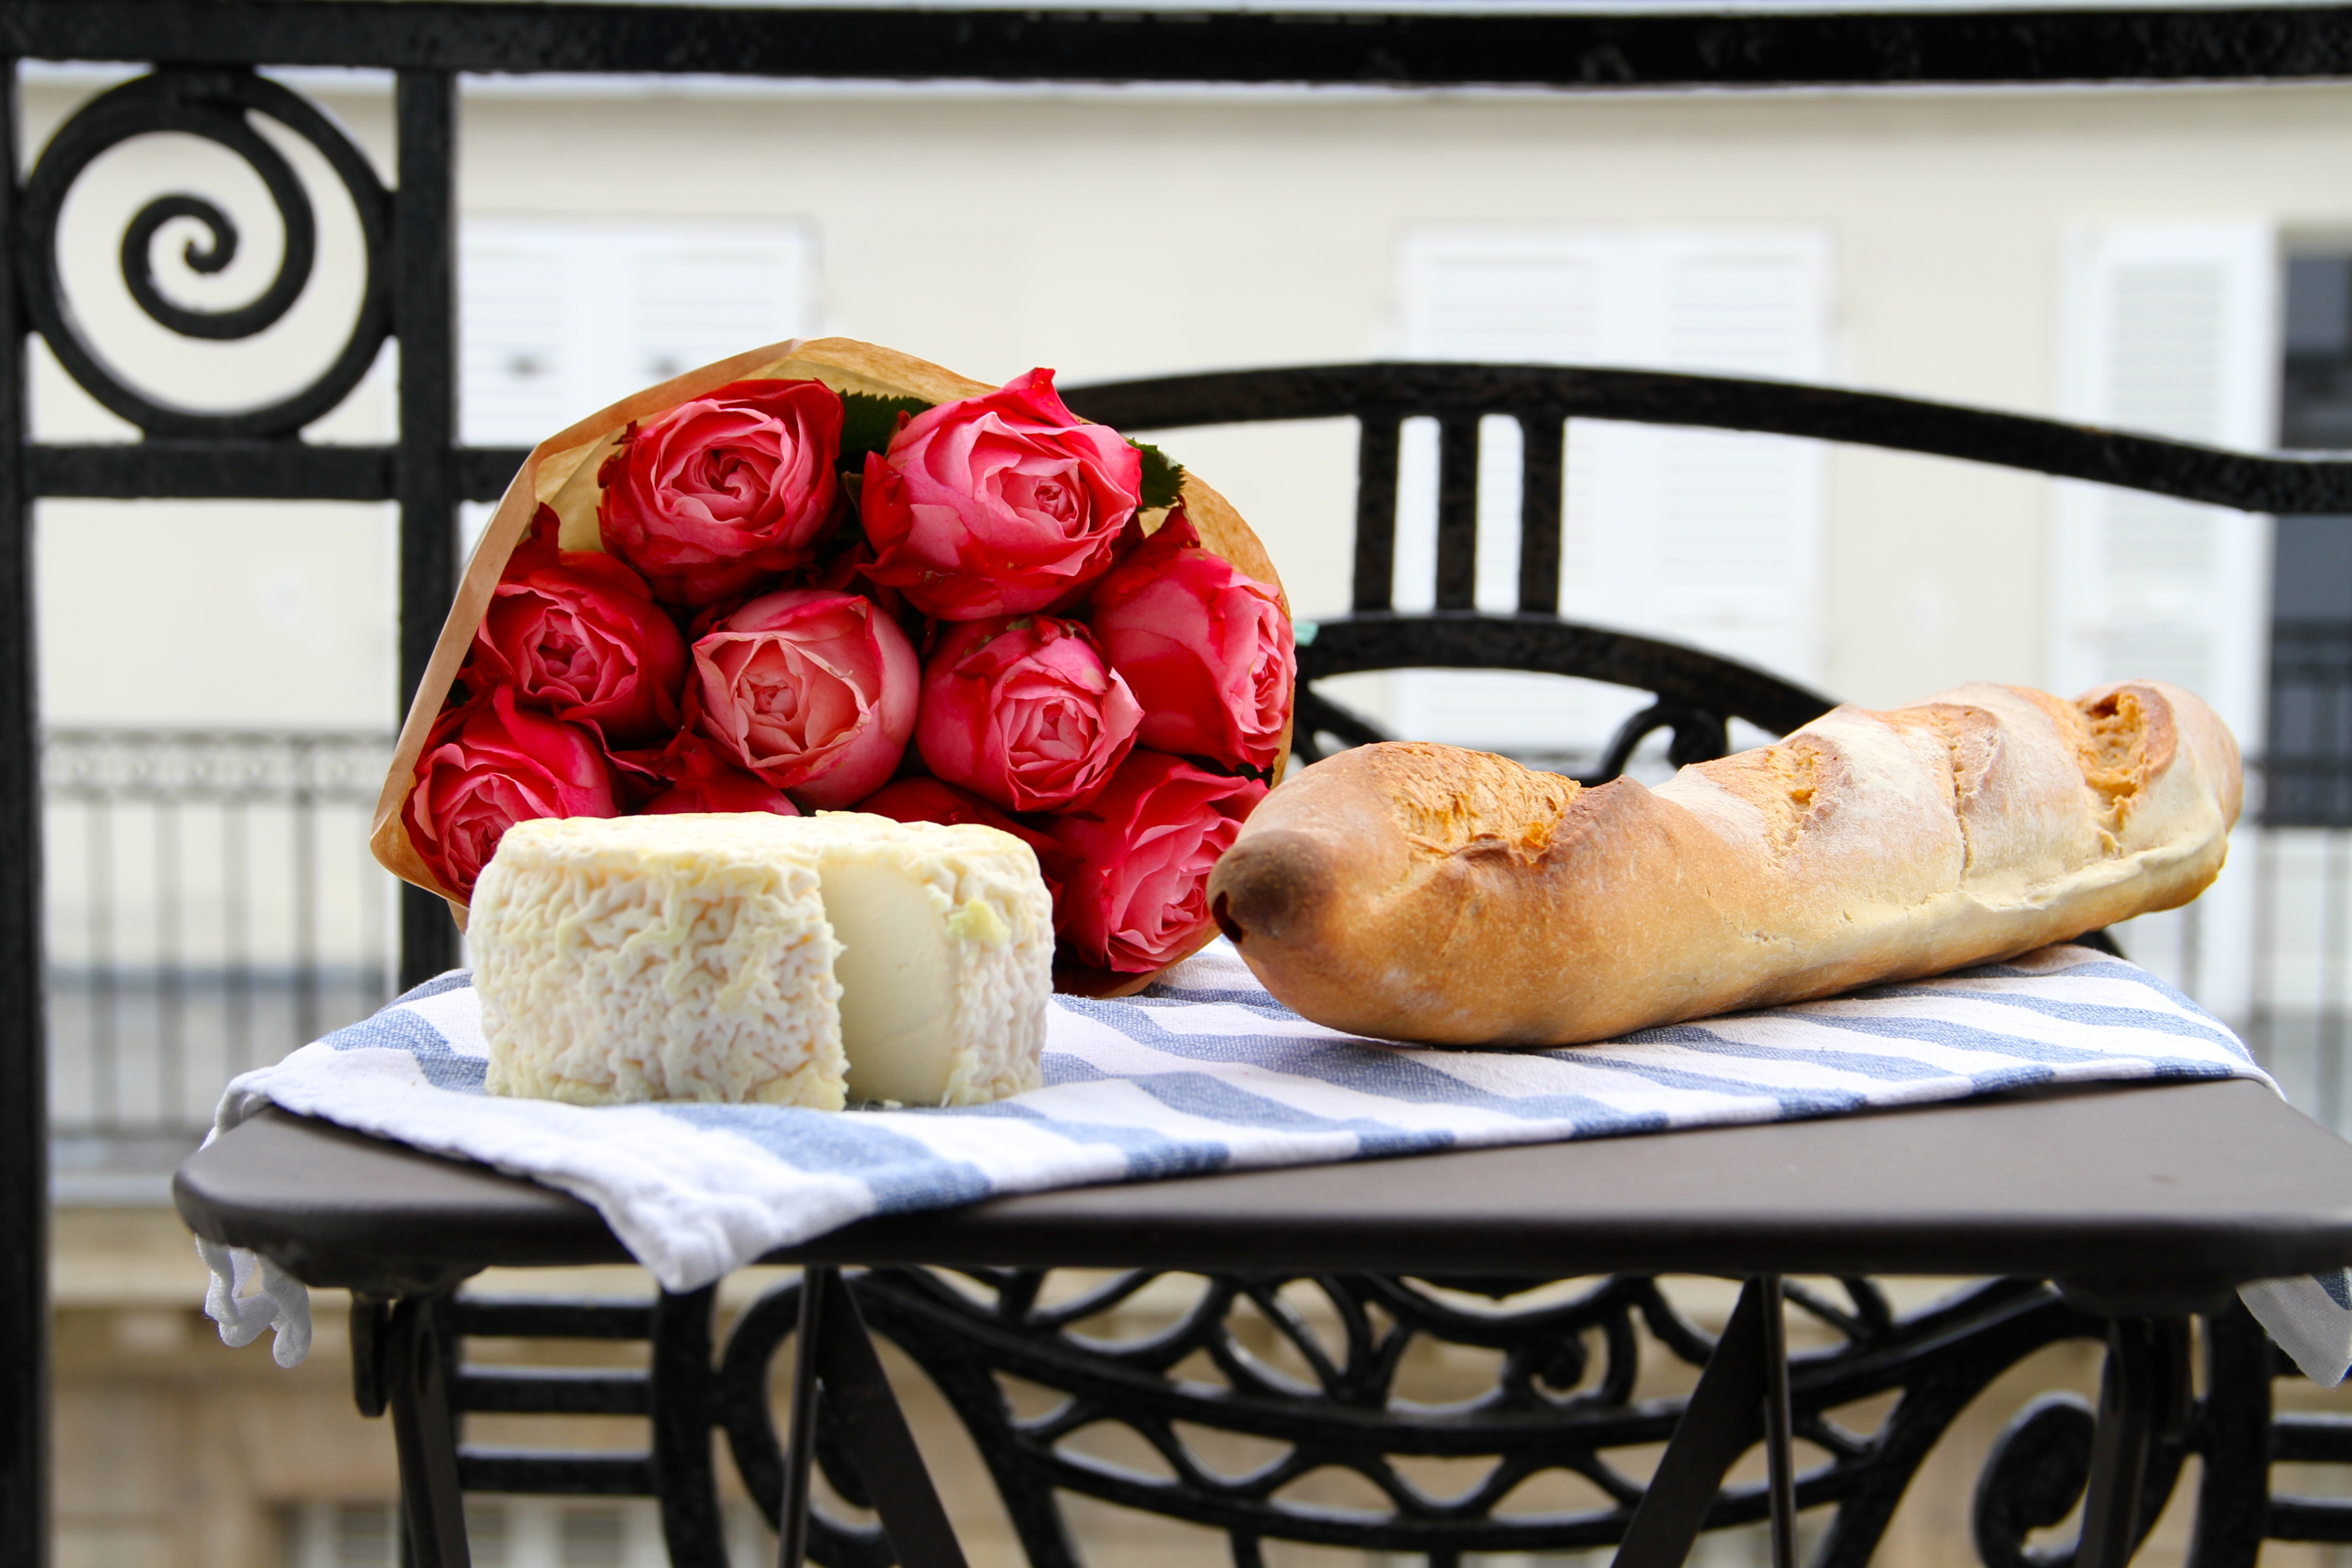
[(1554, 1403)]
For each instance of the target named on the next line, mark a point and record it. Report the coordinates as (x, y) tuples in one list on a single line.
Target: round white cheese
[(750, 957)]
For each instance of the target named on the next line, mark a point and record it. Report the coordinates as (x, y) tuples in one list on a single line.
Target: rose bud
[(1139, 857), (490, 765), (576, 633), (929, 800), (814, 691), (1205, 649), (997, 505), (717, 493), (1024, 712), (700, 780)]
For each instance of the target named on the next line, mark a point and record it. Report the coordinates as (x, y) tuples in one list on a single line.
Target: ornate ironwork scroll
[(1564, 1395), (217, 106)]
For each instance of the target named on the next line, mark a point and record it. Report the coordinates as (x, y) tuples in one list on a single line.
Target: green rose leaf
[(867, 423), (1163, 475)]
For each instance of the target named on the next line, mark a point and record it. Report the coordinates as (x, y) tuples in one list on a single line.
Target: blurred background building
[(218, 679)]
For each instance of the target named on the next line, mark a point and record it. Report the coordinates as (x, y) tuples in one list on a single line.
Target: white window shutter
[(559, 317), (1703, 537), (2171, 330), (516, 343)]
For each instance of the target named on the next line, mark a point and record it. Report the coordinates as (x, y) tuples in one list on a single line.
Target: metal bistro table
[(2145, 1203)]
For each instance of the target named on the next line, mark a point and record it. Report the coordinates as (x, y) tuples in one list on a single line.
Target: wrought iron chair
[(1556, 1400)]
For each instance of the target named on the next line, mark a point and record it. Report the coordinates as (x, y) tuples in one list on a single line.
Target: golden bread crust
[(1411, 891)]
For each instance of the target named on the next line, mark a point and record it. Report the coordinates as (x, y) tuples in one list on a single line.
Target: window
[(559, 317), (2171, 329), (2309, 782), (1704, 537), (344, 1535)]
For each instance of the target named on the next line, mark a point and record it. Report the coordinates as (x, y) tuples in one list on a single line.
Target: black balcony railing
[(211, 905)]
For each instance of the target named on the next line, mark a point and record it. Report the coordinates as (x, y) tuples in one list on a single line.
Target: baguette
[(1420, 893)]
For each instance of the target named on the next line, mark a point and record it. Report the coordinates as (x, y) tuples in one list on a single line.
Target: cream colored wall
[(973, 231), (1109, 234)]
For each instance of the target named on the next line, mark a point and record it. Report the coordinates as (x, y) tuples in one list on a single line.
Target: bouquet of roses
[(827, 576)]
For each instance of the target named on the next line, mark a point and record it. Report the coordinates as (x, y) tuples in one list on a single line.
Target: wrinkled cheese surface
[(750, 957)]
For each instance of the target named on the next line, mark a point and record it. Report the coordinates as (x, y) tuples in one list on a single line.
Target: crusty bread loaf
[(1420, 893)]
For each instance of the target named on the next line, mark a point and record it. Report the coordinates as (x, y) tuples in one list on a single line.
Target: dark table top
[(2148, 1196)]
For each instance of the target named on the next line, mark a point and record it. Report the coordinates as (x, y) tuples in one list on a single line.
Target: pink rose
[(700, 780), (576, 633), (997, 505), (1024, 712), (813, 691), (1205, 649), (1140, 853), (929, 800), (717, 493), (489, 765)]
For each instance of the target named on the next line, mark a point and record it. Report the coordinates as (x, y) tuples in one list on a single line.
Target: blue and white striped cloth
[(1206, 1071)]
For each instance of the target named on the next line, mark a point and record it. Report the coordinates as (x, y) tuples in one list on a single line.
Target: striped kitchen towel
[(1206, 1071)]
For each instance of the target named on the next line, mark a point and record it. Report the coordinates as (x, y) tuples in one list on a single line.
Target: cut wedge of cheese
[(791, 960)]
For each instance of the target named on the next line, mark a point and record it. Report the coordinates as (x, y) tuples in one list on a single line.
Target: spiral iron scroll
[(1562, 1397), (217, 106)]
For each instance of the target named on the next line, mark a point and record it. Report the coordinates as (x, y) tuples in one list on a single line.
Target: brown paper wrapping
[(560, 473)]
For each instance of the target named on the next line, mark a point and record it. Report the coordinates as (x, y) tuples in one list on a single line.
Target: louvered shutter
[(517, 344), (559, 317), (2171, 329), (1702, 537)]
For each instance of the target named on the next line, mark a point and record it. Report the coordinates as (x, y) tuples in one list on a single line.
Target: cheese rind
[(657, 958), (746, 957)]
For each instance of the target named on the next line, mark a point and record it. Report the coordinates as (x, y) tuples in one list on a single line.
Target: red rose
[(997, 505), (1140, 853), (700, 780), (576, 633), (1024, 712), (490, 765), (717, 493), (813, 691), (929, 800), (1205, 649)]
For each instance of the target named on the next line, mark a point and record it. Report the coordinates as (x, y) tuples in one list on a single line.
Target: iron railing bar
[(304, 874), (424, 315), (1457, 512), (170, 1001), (2250, 482), (550, 1391), (248, 470), (1378, 438), (236, 937), (1391, 49), (97, 848), (534, 1317), (1543, 456), (25, 1467), (544, 1471)]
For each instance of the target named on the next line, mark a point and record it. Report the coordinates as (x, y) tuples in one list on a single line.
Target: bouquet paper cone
[(561, 473)]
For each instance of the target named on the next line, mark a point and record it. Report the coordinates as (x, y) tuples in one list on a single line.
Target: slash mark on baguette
[(1446, 801), (2112, 747)]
